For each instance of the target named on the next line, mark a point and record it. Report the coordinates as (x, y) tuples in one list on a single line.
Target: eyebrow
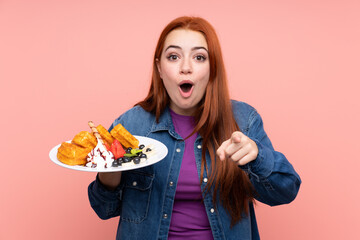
[(178, 47)]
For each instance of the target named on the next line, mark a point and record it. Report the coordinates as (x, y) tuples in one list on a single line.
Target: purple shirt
[(189, 219)]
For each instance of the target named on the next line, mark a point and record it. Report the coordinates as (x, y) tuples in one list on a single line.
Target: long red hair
[(214, 118)]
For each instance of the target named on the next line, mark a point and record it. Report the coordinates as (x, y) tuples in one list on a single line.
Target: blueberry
[(128, 150), (143, 155), (148, 150), (126, 159), (141, 146), (119, 161), (136, 160), (115, 163)]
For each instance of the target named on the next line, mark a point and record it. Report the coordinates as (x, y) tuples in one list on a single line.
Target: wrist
[(110, 180)]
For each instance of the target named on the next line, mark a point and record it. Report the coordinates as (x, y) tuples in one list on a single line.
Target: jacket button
[(205, 180), (212, 210), (199, 146), (134, 183), (165, 216), (178, 150), (171, 184)]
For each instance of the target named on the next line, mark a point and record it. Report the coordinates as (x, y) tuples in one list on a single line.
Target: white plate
[(159, 148)]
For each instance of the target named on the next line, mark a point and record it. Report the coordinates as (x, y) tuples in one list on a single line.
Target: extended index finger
[(221, 150), (236, 137)]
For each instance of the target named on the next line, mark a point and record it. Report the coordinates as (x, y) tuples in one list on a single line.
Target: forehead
[(185, 38)]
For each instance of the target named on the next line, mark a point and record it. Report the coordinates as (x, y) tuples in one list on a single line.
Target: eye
[(172, 57), (200, 58)]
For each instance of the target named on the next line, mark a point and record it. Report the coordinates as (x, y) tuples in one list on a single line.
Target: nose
[(186, 67)]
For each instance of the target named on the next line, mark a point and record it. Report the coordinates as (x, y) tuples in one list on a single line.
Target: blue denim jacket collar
[(165, 124)]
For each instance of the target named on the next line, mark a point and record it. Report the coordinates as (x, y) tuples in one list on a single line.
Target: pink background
[(63, 63)]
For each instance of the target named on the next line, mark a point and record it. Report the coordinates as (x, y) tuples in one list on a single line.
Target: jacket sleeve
[(105, 203), (273, 177)]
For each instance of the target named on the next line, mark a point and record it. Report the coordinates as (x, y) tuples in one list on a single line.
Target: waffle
[(72, 154), (84, 139), (105, 135), (124, 137)]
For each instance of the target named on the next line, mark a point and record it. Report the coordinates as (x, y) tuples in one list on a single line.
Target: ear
[(157, 61)]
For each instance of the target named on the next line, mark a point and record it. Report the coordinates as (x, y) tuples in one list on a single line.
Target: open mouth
[(186, 87)]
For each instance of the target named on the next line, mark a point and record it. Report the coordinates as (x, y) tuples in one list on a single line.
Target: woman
[(220, 158)]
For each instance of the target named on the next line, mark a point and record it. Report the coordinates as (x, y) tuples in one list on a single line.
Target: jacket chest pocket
[(136, 192)]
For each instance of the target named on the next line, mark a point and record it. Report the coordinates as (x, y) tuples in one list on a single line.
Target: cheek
[(168, 79), (202, 87), (168, 71), (204, 75)]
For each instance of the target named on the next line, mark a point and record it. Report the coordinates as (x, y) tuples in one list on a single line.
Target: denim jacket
[(145, 196)]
